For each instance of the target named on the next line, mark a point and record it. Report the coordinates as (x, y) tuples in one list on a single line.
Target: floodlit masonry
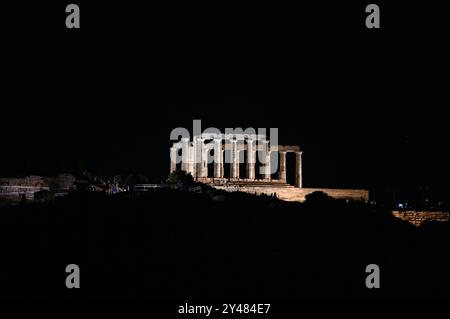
[(15, 189), (221, 149), (264, 166), (417, 218)]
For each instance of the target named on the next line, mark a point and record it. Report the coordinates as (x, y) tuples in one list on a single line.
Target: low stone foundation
[(14, 189), (418, 217), (290, 193)]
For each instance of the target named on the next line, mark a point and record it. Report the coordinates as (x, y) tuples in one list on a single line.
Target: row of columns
[(195, 161)]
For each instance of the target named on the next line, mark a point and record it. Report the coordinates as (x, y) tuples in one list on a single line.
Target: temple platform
[(283, 190)]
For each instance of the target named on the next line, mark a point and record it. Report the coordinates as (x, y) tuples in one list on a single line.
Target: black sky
[(369, 107)]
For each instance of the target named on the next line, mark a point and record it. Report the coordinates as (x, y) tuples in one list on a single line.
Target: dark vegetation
[(172, 244)]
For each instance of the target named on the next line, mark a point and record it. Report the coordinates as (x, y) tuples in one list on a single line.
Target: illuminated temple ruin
[(248, 163)]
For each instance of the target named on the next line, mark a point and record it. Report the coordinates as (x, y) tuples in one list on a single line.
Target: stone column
[(192, 160), (217, 157), (251, 156), (298, 170), (222, 163), (266, 164), (185, 154), (205, 151), (267, 173), (282, 171), (238, 161), (234, 160), (173, 159), (198, 157)]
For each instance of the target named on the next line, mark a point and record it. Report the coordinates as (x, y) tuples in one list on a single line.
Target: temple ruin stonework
[(246, 163)]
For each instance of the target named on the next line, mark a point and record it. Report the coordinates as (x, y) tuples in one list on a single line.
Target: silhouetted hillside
[(171, 244)]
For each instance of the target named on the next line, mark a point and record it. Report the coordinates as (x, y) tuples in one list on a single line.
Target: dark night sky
[(369, 107)]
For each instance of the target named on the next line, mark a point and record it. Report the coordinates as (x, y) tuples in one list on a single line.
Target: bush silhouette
[(318, 197), (43, 196), (181, 178)]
